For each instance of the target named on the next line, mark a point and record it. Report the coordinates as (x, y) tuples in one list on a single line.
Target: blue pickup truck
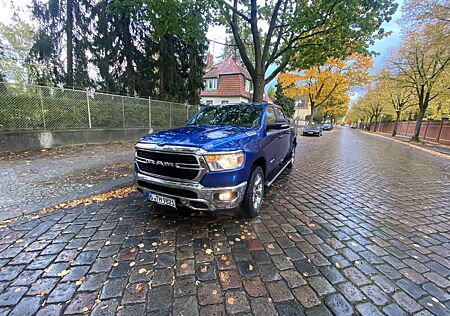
[(221, 160)]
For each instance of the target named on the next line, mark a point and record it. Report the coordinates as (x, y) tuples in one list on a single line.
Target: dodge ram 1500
[(222, 159)]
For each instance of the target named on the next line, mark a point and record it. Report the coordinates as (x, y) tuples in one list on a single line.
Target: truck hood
[(209, 138)]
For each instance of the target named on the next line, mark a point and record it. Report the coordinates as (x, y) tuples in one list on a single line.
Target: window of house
[(224, 101), (248, 85), (211, 84), (209, 102)]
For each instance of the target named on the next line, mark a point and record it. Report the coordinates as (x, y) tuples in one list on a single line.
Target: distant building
[(227, 82), (302, 111)]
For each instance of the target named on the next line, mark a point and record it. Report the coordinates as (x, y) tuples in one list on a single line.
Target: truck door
[(271, 145), (284, 134)]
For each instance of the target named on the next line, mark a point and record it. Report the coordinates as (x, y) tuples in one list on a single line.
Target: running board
[(269, 183)]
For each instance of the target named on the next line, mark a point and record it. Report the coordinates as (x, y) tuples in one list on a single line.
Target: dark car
[(327, 127), (312, 130)]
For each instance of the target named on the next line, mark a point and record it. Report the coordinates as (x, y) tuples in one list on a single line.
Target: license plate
[(163, 200), (310, 132)]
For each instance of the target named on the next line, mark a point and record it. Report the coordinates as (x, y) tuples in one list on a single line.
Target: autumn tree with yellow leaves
[(328, 84), (369, 107)]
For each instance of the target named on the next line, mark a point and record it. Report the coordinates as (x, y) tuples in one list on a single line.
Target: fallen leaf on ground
[(63, 273), (80, 281), (230, 300), (139, 287)]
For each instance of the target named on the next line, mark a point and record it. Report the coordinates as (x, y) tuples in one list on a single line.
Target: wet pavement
[(360, 225), (38, 179)]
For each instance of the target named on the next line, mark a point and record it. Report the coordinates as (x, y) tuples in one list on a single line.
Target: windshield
[(229, 114)]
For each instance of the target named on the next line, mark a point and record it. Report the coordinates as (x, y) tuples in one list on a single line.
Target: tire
[(254, 193), (292, 156)]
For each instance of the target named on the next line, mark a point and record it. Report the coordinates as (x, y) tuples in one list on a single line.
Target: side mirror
[(278, 125), (273, 126)]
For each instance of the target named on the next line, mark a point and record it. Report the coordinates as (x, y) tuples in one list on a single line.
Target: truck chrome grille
[(168, 164)]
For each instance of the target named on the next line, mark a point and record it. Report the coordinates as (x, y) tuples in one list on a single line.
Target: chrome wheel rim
[(257, 192)]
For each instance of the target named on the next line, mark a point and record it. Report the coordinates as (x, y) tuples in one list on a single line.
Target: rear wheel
[(291, 156), (254, 193)]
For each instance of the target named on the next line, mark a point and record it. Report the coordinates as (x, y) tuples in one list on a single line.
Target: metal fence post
[(123, 113), (42, 109), (88, 108), (150, 130), (187, 112)]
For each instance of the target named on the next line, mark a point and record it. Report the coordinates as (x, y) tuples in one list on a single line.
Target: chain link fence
[(30, 107)]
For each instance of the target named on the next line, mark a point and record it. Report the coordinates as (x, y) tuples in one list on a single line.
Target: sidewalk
[(35, 180), (425, 145)]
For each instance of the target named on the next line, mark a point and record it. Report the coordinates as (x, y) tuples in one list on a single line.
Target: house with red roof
[(226, 82)]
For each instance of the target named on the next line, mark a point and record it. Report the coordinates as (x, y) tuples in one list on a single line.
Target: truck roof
[(242, 104)]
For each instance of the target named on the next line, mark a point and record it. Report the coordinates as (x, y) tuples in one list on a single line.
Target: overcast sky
[(217, 33)]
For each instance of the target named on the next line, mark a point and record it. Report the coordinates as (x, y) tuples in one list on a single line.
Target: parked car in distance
[(221, 160), (327, 127), (353, 125), (312, 130)]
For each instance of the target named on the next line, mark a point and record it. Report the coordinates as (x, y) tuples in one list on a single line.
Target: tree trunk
[(161, 67), (397, 118), (312, 114), (370, 124), (69, 35), (258, 87), (415, 136)]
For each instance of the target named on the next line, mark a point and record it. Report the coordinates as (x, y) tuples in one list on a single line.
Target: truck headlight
[(225, 161)]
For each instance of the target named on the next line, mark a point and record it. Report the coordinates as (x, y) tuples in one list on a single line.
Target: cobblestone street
[(360, 225)]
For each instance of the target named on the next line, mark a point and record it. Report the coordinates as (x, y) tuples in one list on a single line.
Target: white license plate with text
[(163, 200)]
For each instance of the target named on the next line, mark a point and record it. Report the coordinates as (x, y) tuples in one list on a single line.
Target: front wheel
[(254, 193)]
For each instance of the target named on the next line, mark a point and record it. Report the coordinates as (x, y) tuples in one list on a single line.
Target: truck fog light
[(226, 196)]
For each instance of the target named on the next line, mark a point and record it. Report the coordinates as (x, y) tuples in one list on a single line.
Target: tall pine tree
[(63, 30)]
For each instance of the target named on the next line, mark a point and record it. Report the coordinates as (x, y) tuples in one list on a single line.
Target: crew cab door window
[(280, 115), (270, 116)]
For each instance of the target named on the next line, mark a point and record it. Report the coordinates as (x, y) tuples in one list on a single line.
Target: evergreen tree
[(230, 49), (62, 23), (286, 103)]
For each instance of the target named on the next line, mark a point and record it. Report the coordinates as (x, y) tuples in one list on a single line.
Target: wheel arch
[(261, 162)]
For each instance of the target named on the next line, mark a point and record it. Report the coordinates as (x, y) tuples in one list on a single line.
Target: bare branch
[(235, 10)]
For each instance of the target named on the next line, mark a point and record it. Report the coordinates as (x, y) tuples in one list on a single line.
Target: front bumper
[(309, 133), (191, 194)]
